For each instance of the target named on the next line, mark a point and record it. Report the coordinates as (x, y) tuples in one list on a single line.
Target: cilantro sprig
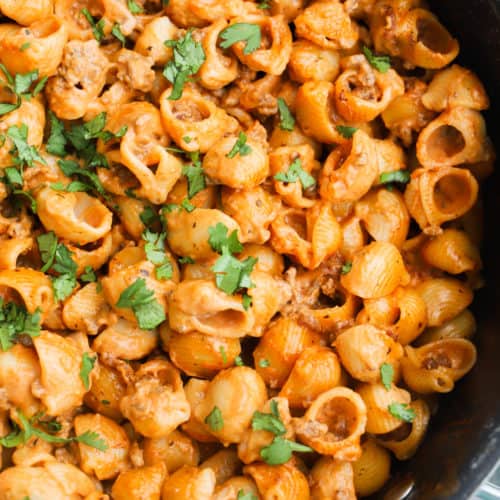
[(155, 253), (231, 274), (15, 321), (148, 312), (281, 449), (188, 57), (270, 422), (27, 430), (23, 154), (242, 32), (81, 139), (21, 86), (296, 173), (56, 257), (220, 241), (195, 175)]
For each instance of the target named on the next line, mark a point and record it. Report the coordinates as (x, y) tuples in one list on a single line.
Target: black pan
[(463, 442)]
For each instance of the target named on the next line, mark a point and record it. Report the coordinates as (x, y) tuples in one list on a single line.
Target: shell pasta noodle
[(239, 244)]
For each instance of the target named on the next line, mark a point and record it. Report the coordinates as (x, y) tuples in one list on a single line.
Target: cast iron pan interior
[(463, 442)]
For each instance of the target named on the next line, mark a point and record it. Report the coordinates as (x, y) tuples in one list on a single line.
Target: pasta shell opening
[(445, 141)]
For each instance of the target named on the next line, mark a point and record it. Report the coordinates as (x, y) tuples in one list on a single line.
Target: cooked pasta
[(239, 241)]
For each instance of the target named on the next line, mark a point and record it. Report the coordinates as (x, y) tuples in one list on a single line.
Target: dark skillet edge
[(463, 442)]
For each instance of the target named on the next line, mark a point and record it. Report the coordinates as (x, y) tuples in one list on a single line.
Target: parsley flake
[(264, 363), (242, 32), (238, 361)]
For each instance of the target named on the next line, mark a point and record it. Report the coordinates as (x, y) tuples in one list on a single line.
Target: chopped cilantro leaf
[(134, 8), (240, 147), (270, 422), (346, 268), (386, 375), (16, 321), (23, 153), (296, 173), (401, 176), (117, 33), (402, 411), (188, 56), (287, 121), (280, 451), (380, 63), (242, 32), (223, 354), (346, 131), (214, 419), (220, 241), (187, 205), (97, 28), (56, 143), (88, 275), (88, 363), (196, 179), (148, 312)]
